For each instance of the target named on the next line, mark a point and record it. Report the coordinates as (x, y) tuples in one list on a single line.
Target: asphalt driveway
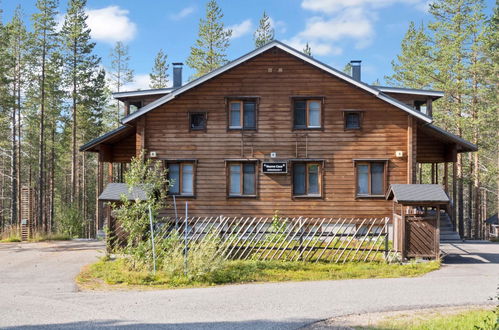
[(37, 292)]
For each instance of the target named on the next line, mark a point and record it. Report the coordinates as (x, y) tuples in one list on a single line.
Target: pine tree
[(411, 68), (120, 72), (209, 51), (159, 73), (448, 57), (307, 50), (45, 41), (17, 48), (264, 32), (348, 69), (80, 64)]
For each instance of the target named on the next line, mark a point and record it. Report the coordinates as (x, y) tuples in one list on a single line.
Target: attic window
[(420, 106), (135, 105)]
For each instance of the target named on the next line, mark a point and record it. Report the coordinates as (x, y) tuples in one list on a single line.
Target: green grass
[(49, 237), (116, 274), (10, 239), (476, 319)]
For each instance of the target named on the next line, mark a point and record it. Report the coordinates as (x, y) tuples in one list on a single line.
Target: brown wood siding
[(124, 150), (384, 131), (429, 149)]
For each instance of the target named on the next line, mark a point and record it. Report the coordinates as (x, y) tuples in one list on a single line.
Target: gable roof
[(114, 191), (275, 43), (417, 193)]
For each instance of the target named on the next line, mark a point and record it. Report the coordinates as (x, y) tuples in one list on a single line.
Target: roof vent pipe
[(177, 74), (355, 69)]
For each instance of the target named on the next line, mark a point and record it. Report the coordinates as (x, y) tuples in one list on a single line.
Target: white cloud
[(141, 81), (278, 26), (318, 48), (183, 13), (241, 29), (338, 20), (111, 24), (332, 6)]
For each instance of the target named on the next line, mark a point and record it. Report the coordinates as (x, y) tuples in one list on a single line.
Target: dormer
[(420, 99), (134, 100)]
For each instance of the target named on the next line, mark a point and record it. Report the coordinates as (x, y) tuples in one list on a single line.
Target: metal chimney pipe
[(356, 65), (177, 74)]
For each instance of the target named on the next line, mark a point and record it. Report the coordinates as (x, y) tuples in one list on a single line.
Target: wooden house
[(277, 130)]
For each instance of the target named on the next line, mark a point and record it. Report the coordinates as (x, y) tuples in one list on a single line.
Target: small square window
[(353, 119), (197, 121)]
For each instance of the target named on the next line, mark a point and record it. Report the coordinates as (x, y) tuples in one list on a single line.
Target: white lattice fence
[(281, 238)]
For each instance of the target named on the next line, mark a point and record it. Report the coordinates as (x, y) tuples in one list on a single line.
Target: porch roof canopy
[(110, 137), (418, 194), (114, 191), (446, 137)]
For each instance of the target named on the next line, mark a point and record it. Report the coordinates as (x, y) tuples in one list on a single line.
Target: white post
[(152, 240), (185, 237)]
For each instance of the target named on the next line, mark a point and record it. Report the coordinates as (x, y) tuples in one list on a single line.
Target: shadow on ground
[(116, 324), (461, 253)]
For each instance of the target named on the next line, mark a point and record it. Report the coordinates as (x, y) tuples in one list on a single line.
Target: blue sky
[(338, 30)]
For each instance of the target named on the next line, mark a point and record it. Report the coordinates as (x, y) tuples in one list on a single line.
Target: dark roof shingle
[(415, 193)]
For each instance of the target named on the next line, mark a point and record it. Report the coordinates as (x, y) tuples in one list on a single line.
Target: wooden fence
[(280, 238)]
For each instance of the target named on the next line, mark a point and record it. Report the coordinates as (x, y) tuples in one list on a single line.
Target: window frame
[(241, 100), (241, 163), (205, 114), (368, 162), (182, 162), (320, 176), (308, 100), (361, 119)]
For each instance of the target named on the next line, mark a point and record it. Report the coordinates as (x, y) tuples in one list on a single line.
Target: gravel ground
[(37, 292)]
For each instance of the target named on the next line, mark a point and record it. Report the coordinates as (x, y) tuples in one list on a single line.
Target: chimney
[(355, 69), (177, 74)]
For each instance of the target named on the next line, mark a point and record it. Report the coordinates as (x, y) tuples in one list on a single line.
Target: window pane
[(362, 179), (353, 120), (249, 115), (313, 179), (377, 177), (198, 121), (173, 176), (300, 117), (235, 180), (299, 179), (314, 114), (187, 179), (249, 179), (235, 114)]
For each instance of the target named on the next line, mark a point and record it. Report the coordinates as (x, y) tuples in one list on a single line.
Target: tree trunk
[(41, 153), (13, 169), (73, 133)]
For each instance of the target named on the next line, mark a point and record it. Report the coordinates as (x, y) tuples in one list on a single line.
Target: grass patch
[(476, 319), (10, 240), (38, 237), (108, 273)]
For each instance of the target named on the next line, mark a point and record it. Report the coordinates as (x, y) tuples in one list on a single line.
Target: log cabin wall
[(275, 77)]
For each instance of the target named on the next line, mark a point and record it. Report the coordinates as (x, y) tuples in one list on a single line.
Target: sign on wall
[(275, 167)]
